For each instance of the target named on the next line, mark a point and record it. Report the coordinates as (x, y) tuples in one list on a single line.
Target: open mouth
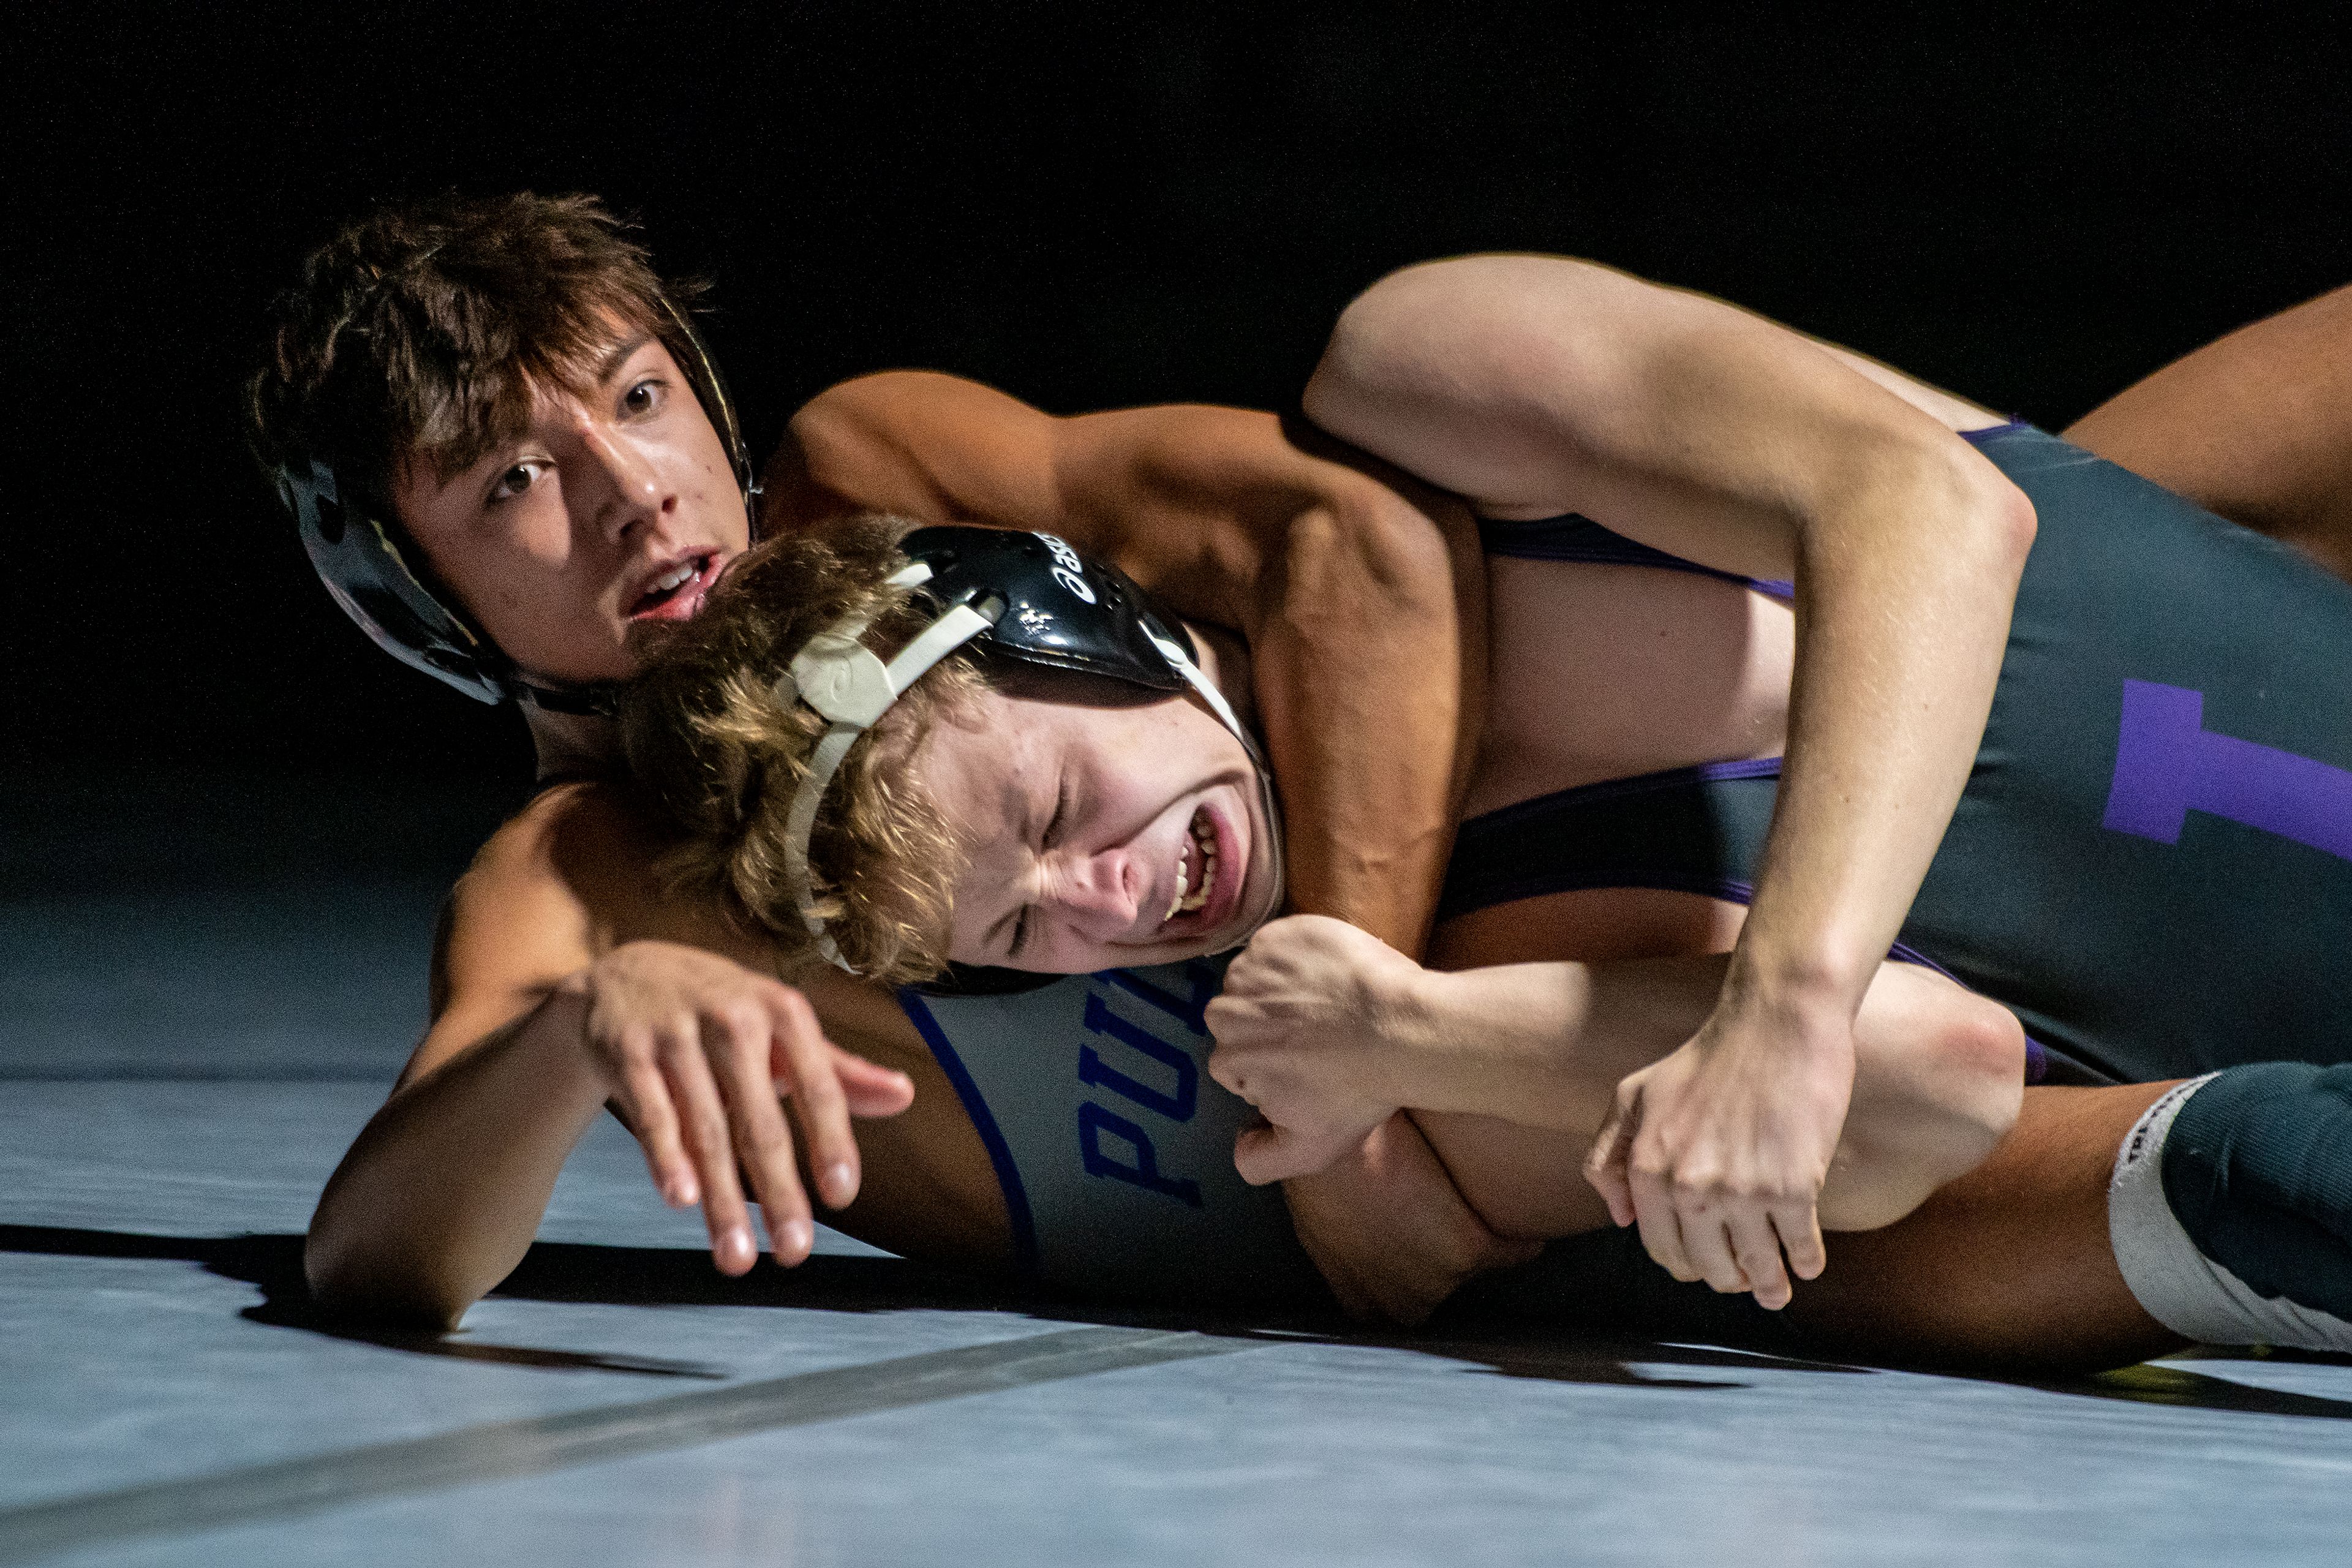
[(1208, 876), (678, 593)]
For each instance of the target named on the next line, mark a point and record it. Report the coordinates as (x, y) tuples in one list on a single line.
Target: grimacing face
[(1100, 837), (606, 513)]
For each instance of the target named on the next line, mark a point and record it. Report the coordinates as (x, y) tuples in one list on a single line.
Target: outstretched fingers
[(802, 1064), (710, 1144), (738, 1049), (654, 1118)]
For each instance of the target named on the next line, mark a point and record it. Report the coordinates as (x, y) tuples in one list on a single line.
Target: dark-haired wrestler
[(484, 1001)]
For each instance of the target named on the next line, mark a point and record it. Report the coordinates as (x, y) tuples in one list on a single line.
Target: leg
[(2256, 426), (2009, 1265)]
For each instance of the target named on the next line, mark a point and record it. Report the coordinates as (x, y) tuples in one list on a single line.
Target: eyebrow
[(618, 356)]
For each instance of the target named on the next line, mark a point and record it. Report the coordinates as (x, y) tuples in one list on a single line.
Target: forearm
[(1538, 386), (440, 1196), (1939, 1072), (1900, 633), (1369, 660), (1541, 1045)]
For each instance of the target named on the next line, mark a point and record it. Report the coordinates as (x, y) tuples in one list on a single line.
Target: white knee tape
[(2181, 1287)]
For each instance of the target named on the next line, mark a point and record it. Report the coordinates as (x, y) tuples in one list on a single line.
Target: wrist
[(1404, 999), (555, 1035), (1808, 1001)]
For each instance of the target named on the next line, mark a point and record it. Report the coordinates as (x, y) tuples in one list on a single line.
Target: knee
[(1983, 1051), (1941, 1077)]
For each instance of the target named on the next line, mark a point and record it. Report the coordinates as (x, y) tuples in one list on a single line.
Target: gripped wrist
[(1416, 1006)]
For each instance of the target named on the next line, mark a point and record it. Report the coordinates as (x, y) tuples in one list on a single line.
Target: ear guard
[(360, 559), (1026, 597)]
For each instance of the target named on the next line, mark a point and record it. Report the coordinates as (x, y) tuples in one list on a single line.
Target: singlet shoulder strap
[(1570, 537)]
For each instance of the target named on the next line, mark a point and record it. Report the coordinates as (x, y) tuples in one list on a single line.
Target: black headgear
[(1060, 610), (360, 558), (1027, 596)]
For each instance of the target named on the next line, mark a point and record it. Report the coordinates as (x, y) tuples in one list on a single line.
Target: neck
[(569, 744)]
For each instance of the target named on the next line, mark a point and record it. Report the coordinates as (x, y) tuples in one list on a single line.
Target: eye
[(1045, 841), (516, 480), (1053, 833), (644, 397)]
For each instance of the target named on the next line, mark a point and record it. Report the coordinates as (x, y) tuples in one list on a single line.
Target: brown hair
[(722, 752), (422, 333)]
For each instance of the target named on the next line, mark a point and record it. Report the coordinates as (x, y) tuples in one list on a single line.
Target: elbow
[(1999, 517), (348, 1283), (1388, 333), (2012, 524)]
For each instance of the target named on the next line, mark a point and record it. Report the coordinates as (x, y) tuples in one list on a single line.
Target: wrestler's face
[(1084, 822), (606, 513)]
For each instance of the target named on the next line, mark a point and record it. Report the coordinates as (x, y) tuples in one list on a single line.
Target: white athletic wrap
[(2181, 1287)]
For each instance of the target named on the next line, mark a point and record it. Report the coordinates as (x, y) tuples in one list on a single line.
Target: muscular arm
[(1361, 592), (541, 1015), (439, 1197), (1537, 385)]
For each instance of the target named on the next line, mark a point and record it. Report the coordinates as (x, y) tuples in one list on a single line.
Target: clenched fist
[(1313, 1023)]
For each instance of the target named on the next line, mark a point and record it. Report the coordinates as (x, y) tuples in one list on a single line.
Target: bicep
[(1537, 385)]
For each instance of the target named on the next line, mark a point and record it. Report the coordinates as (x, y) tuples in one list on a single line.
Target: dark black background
[(1086, 204)]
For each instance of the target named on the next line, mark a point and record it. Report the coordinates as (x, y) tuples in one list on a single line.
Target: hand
[(1390, 1232), (1718, 1151), (1309, 1012), (697, 1049)]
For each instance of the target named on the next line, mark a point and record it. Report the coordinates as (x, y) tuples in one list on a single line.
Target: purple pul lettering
[(2168, 765)]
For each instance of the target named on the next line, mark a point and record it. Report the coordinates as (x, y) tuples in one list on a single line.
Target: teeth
[(1187, 900), (673, 577)]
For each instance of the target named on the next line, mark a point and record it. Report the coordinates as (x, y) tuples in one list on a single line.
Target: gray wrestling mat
[(181, 1060)]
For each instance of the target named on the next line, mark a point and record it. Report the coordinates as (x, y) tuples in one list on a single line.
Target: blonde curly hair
[(722, 753)]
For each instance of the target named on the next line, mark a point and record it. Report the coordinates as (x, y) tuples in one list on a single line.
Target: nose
[(632, 493), (1097, 896)]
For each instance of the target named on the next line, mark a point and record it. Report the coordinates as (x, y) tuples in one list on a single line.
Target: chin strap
[(600, 702), (1206, 691)]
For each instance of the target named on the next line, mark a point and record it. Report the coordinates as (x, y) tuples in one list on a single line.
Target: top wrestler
[(1000, 814), (1001, 479), (504, 446)]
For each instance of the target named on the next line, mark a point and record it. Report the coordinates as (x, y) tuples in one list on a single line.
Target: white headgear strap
[(848, 685)]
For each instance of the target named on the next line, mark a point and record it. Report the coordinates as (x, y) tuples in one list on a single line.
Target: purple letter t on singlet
[(2167, 764)]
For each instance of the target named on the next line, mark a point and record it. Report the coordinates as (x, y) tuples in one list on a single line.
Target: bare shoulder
[(920, 443), (586, 841)]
